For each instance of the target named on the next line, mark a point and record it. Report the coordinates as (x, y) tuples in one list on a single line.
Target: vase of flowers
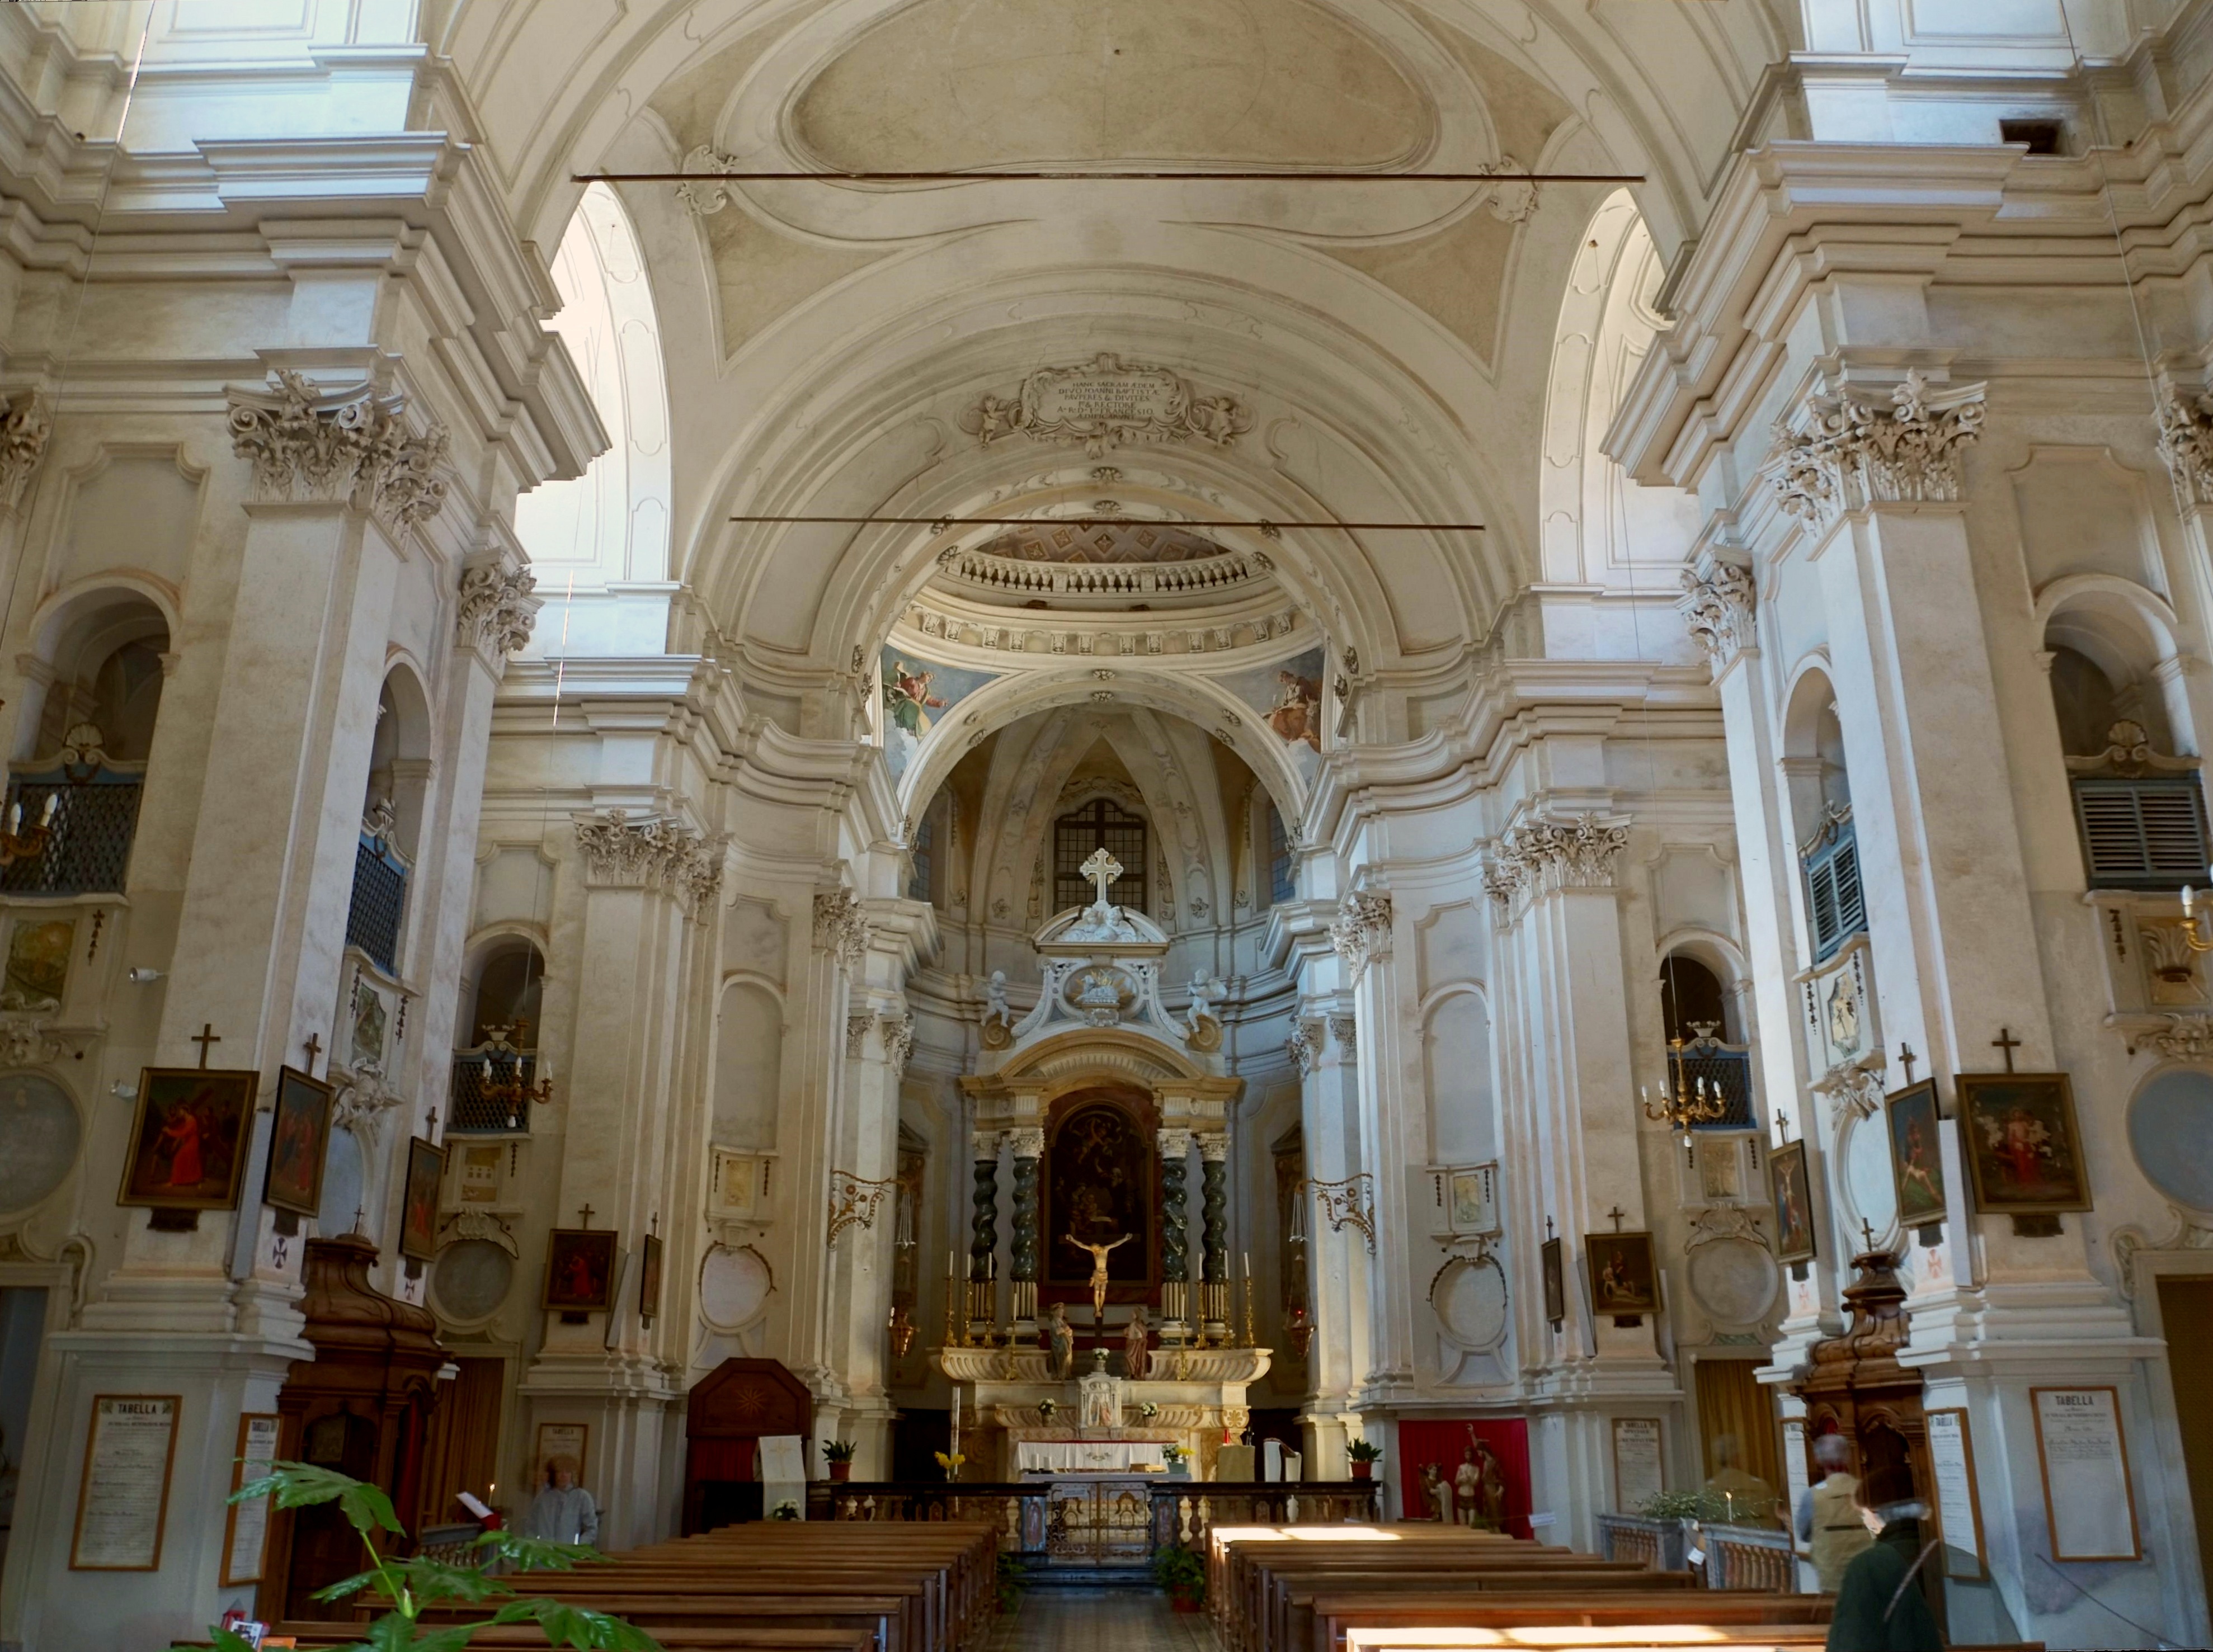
[(1179, 1458), (839, 1454), (1046, 1409), (1363, 1453), (950, 1461)]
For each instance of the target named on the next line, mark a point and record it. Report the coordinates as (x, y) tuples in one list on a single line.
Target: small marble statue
[(1136, 1346), (995, 998), (1060, 1343), (1203, 990)]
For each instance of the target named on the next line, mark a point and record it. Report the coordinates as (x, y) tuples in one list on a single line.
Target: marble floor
[(1100, 1620)]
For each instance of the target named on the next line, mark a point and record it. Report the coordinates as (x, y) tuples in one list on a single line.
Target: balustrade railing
[(1019, 1511), (1661, 1545), (1748, 1558), (1183, 1511)]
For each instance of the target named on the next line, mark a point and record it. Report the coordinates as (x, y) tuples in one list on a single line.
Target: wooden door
[(2186, 1309)]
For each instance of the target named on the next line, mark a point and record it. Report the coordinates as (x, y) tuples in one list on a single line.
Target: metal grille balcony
[(469, 1110), (380, 900), (88, 850), (1726, 1070)]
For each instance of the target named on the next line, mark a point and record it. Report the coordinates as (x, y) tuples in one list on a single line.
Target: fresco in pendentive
[(916, 692), (1287, 695)]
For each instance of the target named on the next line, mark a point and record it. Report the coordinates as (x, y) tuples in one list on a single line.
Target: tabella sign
[(1106, 402)]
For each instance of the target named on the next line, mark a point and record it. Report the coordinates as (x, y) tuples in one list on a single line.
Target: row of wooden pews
[(767, 1586), (1349, 1589)]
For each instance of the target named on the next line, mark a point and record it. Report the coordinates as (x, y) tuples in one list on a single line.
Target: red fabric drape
[(1443, 1443)]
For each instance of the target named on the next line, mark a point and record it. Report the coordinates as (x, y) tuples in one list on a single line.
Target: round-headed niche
[(344, 1184), (2170, 1134), (39, 1123)]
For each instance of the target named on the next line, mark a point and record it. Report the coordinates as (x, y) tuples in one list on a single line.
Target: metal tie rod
[(1063, 177), (947, 524)]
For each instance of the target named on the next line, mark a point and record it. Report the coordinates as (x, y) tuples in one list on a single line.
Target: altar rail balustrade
[(1018, 1510), (1748, 1558), (1183, 1511), (1660, 1544)]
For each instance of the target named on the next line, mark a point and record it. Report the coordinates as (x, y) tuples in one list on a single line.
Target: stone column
[(1027, 1145), (1213, 1204), (1175, 1232), (984, 1234), (1365, 1035)]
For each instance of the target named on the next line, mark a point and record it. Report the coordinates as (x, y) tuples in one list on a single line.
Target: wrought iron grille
[(88, 848), (1725, 1070), (469, 1111), (380, 899), (1098, 825)]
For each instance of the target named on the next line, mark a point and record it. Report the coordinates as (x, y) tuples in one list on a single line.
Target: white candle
[(956, 1413)]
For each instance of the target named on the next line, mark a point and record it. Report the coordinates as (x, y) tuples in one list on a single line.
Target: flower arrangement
[(1175, 1454), (1046, 1409), (1148, 1410), (950, 1461), (786, 1510)]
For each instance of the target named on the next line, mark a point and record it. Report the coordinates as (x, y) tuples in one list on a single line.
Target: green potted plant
[(1183, 1574), (839, 1454), (415, 1585), (1363, 1453)]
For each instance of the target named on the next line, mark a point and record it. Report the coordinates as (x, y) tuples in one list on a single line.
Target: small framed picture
[(298, 1138), (1794, 1202), (418, 1209), (1621, 1277), (580, 1270), (648, 1280), (2017, 1133), (1556, 1282), (1916, 1156), (189, 1140), (562, 1445)]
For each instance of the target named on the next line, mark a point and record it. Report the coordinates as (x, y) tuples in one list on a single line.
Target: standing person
[(1828, 1518), (1879, 1606), (564, 1512)]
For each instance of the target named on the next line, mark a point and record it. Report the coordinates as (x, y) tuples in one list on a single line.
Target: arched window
[(1821, 807), (1102, 824), (1691, 1001), (510, 984), (1696, 1010), (391, 816), (1281, 878)]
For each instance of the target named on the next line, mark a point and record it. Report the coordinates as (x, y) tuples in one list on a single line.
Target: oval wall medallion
[(734, 1287), (1733, 1280), (472, 1279), (2170, 1134), (1469, 1297), (1870, 1193), (40, 1125)]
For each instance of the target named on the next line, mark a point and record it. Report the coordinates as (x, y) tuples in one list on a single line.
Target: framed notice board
[(123, 1499)]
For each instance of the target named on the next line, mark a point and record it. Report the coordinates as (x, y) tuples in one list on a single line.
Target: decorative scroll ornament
[(653, 853), (709, 195), (31, 1040), (2186, 1037), (1718, 606), (2130, 755), (497, 610), (2186, 442), (23, 432), (1106, 402), (898, 1039), (1844, 453), (1305, 1045), (1348, 1204), (309, 443), (1578, 853), (362, 1100), (1361, 933), (854, 1201), (841, 925), (1514, 200), (2128, 1243)]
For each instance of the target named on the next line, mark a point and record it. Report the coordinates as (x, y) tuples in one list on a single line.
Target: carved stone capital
[(1346, 1031), (841, 925), (1027, 1141), (1718, 606), (1577, 853), (310, 443), (1845, 453), (857, 1033), (23, 432), (1505, 873), (497, 611), (899, 1038), (1213, 1147), (653, 853), (2186, 442), (1305, 1045), (1361, 933)]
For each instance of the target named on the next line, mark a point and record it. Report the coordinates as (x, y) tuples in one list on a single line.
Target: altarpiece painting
[(1101, 1184)]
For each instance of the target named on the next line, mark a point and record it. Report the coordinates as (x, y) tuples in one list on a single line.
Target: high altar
[(1100, 1100)]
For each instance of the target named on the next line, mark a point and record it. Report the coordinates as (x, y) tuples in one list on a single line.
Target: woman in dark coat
[(1879, 1606)]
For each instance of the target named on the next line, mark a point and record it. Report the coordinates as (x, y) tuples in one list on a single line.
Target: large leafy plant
[(415, 1585)]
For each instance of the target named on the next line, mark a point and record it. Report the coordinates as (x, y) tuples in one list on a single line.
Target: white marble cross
[(1101, 869)]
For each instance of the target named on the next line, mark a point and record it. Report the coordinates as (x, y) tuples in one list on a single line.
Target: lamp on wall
[(2191, 925), (1681, 1103), (18, 844)]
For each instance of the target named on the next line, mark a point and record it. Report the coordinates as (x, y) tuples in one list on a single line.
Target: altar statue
[(1136, 1342), (1060, 1343), (1098, 1268)]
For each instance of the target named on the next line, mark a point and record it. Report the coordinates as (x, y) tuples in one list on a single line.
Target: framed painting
[(2018, 1135), (1794, 1202), (188, 1139), (418, 1208), (1916, 1156), (1556, 1282), (38, 949), (580, 1270), (1623, 1279), (648, 1280), (299, 1134)]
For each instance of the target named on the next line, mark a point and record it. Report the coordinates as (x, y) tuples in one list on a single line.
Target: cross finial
[(585, 1211), (1101, 869), (1906, 1058), (433, 1131), (206, 1035), (1617, 1213), (1866, 1229), (313, 1044), (1548, 1227), (2005, 1041)]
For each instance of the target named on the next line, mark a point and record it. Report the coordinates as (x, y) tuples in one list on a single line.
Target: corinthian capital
[(23, 432), (2186, 442), (841, 925), (652, 854), (497, 611), (1717, 605), (1577, 853), (310, 443), (1362, 931), (1844, 452)]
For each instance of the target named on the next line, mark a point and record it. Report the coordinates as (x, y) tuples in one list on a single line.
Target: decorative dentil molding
[(654, 854), (1718, 605), (841, 925), (1577, 853), (309, 444), (1106, 402), (1844, 452), (2186, 442), (23, 432), (1361, 931), (1304, 1045), (497, 611)]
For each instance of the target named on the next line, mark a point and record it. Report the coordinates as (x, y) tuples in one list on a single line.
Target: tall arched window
[(1101, 824)]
